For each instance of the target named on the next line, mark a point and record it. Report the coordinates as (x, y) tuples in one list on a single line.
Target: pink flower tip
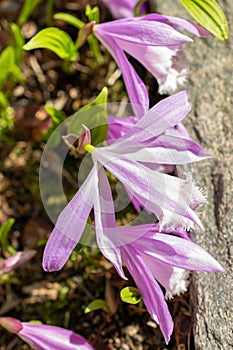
[(11, 324), (84, 139), (16, 260)]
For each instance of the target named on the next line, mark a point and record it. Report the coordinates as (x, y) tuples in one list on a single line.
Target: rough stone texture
[(211, 123)]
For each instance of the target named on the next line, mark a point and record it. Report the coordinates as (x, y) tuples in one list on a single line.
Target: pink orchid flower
[(157, 256), (154, 41), (173, 200)]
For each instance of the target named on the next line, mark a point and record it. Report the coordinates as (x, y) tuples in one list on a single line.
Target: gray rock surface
[(211, 123)]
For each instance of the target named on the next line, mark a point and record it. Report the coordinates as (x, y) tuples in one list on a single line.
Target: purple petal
[(177, 252), (136, 89), (70, 225), (105, 225), (118, 126), (123, 8), (143, 31), (154, 190), (164, 115), (174, 279), (120, 8), (167, 150), (43, 337), (179, 130), (167, 64), (178, 23), (182, 131), (136, 203), (128, 234), (151, 292)]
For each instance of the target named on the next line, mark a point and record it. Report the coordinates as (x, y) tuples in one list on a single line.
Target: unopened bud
[(11, 324), (84, 139)]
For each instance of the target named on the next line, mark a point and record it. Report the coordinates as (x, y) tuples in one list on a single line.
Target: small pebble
[(131, 330)]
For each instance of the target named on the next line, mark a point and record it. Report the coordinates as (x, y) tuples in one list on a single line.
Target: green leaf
[(41, 242), (16, 73), (100, 99), (57, 116), (93, 14), (92, 41), (94, 116), (130, 295), (3, 101), (96, 305), (70, 19), (8, 67), (18, 42), (6, 62), (4, 230), (28, 8), (35, 321), (209, 15), (55, 40)]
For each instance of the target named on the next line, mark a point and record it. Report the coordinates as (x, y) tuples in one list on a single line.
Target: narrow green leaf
[(3, 101), (6, 62), (18, 37), (4, 230), (209, 15), (70, 19), (96, 305), (16, 73), (8, 67), (18, 42), (28, 8), (130, 295), (55, 40), (94, 116)]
